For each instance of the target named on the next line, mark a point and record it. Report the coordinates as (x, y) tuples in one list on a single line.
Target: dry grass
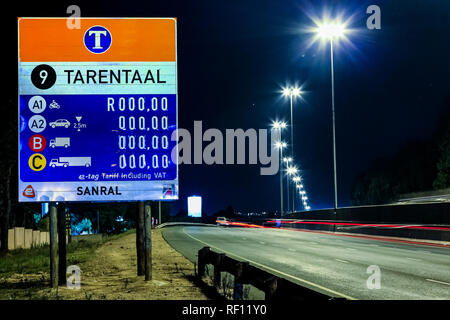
[(110, 273)]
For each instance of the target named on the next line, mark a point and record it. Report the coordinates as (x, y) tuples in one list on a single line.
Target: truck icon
[(71, 162), (60, 142)]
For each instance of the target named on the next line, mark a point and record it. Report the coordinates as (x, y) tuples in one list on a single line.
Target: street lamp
[(295, 179), (292, 170), (332, 31), (280, 145), (305, 204), (279, 125), (292, 92), (286, 161)]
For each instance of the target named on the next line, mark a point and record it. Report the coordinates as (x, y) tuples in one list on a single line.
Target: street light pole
[(292, 145), (331, 30), (287, 185), (291, 92), (334, 127), (296, 179), (292, 127), (281, 179), (280, 125)]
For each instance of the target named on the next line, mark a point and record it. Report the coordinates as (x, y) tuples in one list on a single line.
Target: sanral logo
[(97, 39), (29, 192)]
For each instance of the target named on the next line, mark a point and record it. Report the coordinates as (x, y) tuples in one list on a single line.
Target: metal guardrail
[(174, 224), (274, 287)]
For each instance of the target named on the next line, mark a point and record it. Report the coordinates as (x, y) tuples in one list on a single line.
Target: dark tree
[(8, 170)]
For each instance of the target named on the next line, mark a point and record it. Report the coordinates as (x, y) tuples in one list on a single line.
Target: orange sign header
[(132, 39)]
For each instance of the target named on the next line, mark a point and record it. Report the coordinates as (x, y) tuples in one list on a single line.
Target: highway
[(328, 263)]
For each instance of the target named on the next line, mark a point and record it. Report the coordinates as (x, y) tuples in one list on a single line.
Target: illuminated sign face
[(97, 109), (194, 206)]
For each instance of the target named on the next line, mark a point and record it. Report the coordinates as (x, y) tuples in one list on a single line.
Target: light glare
[(296, 92), (330, 30), (280, 145)]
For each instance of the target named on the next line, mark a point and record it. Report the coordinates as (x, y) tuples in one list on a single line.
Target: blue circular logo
[(97, 39)]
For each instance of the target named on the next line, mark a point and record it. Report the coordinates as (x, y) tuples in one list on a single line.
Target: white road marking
[(341, 260), (272, 269), (293, 250), (413, 259), (437, 281), (352, 249), (262, 242)]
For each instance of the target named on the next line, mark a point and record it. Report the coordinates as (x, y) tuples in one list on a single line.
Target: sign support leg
[(53, 245), (148, 241), (140, 239), (62, 262), (159, 215)]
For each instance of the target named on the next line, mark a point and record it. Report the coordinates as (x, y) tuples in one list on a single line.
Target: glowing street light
[(279, 125), (286, 160), (332, 31), (295, 179), (280, 145), (292, 170), (292, 92)]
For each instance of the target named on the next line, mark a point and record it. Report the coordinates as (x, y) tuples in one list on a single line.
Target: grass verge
[(37, 259)]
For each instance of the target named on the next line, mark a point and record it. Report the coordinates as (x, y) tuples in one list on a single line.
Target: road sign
[(97, 109)]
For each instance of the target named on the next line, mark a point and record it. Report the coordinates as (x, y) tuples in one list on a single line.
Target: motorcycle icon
[(54, 105)]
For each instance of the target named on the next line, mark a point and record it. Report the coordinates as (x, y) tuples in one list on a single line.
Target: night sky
[(235, 56)]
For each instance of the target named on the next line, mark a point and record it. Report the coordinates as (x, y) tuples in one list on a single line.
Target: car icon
[(60, 123), (54, 105)]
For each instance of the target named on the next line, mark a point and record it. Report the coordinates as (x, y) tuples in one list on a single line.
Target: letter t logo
[(97, 34)]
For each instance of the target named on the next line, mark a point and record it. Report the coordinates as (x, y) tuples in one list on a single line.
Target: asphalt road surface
[(328, 263)]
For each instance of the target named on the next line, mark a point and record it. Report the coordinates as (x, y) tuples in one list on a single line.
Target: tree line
[(418, 165)]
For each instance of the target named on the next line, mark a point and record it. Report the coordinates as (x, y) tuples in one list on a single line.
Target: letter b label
[(37, 143)]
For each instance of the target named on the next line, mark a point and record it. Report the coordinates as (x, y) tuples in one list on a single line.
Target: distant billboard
[(194, 206), (97, 109)]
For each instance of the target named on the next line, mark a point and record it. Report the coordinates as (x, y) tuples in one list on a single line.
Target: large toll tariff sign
[(97, 109)]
